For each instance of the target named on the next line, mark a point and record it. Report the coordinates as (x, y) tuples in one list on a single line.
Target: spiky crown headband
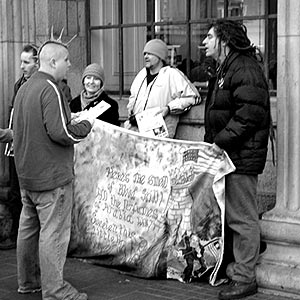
[(57, 41)]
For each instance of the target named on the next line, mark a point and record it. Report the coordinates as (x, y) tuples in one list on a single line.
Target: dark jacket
[(237, 113), (110, 116), (17, 86)]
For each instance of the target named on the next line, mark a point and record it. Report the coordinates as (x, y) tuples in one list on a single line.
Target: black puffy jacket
[(237, 113)]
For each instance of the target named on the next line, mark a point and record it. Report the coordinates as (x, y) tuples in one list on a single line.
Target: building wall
[(30, 21)]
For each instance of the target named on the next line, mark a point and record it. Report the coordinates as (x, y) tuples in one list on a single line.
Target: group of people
[(45, 127)]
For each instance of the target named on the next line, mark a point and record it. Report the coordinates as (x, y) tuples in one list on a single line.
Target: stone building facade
[(29, 21)]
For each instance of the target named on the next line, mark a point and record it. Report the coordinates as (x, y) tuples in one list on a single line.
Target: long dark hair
[(234, 34)]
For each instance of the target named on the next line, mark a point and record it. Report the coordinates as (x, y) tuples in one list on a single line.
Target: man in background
[(160, 86), (29, 65)]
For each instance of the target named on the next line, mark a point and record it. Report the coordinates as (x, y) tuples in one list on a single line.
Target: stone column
[(279, 268), (16, 29), (10, 36)]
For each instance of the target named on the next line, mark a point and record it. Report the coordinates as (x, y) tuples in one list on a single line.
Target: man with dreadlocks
[(44, 139), (237, 118)]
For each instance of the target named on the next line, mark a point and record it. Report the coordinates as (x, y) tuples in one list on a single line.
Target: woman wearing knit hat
[(93, 93), (162, 86)]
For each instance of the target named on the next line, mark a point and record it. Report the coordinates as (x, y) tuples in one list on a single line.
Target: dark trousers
[(242, 225), (14, 202)]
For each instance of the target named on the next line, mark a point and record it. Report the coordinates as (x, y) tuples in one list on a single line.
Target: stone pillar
[(279, 268), (29, 22), (16, 29), (4, 59)]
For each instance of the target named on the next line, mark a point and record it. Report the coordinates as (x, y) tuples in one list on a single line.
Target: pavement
[(102, 283)]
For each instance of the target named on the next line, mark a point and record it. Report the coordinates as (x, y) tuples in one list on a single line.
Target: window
[(119, 30)]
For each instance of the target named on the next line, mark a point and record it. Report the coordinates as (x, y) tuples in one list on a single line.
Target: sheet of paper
[(94, 112), (9, 147), (152, 123)]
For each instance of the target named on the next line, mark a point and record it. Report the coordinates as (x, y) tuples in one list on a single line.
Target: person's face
[(62, 64), (211, 43), (151, 61), (28, 64), (92, 84)]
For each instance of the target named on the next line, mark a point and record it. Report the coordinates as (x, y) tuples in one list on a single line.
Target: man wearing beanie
[(93, 93), (162, 86)]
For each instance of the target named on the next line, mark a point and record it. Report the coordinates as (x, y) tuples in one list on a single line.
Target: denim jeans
[(241, 213), (43, 238)]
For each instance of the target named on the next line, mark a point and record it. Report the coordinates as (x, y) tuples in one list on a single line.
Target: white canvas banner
[(153, 207)]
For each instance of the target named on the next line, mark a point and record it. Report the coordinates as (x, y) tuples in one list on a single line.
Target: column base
[(278, 270), (278, 279)]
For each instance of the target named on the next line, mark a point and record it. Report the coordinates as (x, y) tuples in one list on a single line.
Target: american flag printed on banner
[(190, 155)]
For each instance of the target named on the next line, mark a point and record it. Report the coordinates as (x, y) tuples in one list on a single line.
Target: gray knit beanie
[(94, 70), (158, 48)]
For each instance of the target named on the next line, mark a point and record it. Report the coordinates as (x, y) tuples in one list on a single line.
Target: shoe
[(238, 290), (29, 291), (81, 296), (230, 270), (7, 244)]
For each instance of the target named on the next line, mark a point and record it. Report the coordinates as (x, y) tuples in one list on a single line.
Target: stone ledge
[(280, 279)]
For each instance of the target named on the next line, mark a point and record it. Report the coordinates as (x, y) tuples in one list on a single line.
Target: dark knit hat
[(158, 48), (94, 70)]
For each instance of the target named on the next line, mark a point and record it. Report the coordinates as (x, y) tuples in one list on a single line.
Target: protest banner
[(151, 206)]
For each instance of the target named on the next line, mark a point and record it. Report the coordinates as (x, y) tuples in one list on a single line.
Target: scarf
[(86, 99)]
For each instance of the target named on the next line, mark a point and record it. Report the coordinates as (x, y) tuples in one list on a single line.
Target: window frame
[(188, 23)]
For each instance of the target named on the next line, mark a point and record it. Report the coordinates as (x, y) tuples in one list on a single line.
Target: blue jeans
[(241, 213), (43, 238)]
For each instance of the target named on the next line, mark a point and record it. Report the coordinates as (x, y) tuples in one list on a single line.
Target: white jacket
[(169, 88)]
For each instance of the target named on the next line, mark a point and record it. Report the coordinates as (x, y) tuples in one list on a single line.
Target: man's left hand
[(164, 111)]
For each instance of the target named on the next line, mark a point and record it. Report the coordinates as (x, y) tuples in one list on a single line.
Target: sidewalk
[(108, 284)]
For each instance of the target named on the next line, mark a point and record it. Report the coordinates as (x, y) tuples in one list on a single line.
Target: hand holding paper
[(91, 114)]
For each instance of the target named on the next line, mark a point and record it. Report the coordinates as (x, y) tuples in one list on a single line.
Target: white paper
[(9, 147), (152, 123), (93, 112)]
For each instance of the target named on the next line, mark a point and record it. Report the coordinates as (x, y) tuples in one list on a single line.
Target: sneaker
[(29, 291), (8, 244), (81, 296), (238, 290)]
